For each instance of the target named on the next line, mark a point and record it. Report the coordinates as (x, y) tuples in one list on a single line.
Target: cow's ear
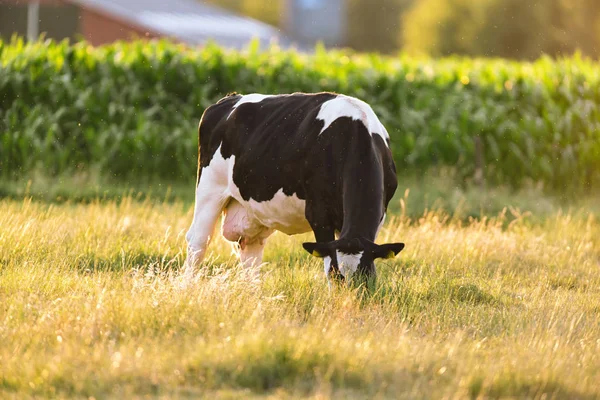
[(318, 249), (389, 250)]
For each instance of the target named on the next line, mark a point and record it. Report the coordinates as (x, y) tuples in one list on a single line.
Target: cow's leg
[(211, 197), (207, 209), (322, 227), (251, 249), (324, 235)]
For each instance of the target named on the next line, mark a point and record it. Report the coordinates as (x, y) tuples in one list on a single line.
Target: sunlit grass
[(94, 302)]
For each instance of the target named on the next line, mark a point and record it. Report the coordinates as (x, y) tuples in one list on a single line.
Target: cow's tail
[(199, 171), (209, 122)]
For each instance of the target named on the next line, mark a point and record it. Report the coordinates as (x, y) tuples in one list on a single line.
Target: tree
[(505, 28), (373, 25), (443, 27)]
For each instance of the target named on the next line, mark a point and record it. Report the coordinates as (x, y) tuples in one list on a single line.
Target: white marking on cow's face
[(249, 98), (346, 106), (348, 263)]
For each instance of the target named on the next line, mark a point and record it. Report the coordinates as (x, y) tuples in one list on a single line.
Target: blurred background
[(127, 112), (518, 29)]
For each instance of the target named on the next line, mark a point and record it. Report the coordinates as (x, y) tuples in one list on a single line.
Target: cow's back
[(275, 142), (269, 137)]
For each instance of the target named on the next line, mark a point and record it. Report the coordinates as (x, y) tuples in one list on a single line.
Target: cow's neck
[(362, 202)]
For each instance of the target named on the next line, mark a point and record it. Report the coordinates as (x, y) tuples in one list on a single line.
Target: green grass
[(94, 302), (439, 190)]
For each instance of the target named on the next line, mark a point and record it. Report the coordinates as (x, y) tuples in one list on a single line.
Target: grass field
[(94, 303)]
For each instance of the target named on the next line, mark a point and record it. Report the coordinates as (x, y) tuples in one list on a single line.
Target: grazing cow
[(293, 163)]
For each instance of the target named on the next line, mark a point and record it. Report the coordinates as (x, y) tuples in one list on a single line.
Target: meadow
[(496, 295), (96, 303)]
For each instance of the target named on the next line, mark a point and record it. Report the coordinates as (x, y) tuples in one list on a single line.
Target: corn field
[(132, 109)]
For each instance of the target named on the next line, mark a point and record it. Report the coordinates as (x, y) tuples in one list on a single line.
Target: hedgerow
[(131, 109)]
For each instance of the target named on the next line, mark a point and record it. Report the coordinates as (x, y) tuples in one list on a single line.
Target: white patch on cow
[(348, 263), (249, 98), (346, 106), (283, 213)]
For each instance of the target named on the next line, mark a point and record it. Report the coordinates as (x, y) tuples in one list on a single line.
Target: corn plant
[(131, 109)]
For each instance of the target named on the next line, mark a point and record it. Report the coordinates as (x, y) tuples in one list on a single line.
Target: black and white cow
[(293, 163)]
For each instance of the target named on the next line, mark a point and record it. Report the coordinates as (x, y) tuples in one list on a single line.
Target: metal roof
[(190, 21)]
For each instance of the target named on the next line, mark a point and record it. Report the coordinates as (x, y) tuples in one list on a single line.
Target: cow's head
[(347, 257)]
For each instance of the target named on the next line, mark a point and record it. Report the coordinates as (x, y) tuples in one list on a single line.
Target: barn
[(105, 21)]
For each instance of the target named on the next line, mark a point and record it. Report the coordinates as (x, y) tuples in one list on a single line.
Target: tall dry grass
[(94, 303)]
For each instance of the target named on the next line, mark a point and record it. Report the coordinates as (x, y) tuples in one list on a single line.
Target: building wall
[(99, 29), (57, 20), (316, 20), (64, 20)]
